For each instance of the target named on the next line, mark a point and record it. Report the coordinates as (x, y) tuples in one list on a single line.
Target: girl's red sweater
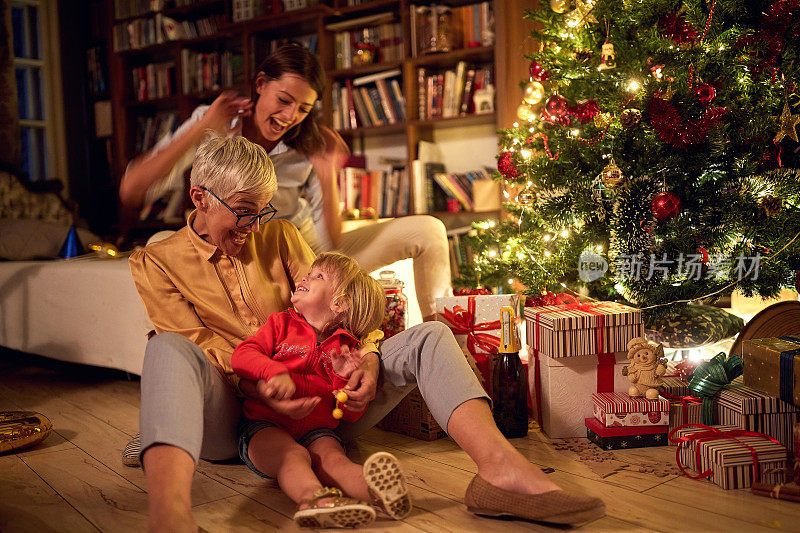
[(288, 344)]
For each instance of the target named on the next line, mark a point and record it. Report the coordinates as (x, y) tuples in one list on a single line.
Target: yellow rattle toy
[(341, 397)]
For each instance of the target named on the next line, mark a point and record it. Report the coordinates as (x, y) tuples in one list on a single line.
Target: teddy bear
[(646, 368)]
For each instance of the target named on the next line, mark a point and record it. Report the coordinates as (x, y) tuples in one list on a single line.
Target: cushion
[(26, 239)]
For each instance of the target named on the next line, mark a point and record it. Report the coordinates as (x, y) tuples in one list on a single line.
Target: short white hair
[(229, 165)]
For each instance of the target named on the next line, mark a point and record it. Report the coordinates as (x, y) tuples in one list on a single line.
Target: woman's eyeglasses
[(243, 221)]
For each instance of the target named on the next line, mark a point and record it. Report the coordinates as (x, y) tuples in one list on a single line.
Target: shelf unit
[(249, 39)]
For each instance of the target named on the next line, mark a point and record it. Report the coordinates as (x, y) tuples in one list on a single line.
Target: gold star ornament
[(581, 15), (787, 123)]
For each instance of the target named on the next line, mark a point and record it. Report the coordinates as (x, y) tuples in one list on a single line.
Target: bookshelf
[(242, 44)]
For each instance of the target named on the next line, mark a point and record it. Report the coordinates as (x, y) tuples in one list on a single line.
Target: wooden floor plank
[(108, 500), (98, 439), (28, 504), (738, 504)]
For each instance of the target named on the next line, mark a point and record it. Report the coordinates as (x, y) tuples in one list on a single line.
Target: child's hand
[(280, 387), (345, 362)]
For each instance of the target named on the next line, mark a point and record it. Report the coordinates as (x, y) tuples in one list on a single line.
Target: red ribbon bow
[(462, 322), (711, 434)]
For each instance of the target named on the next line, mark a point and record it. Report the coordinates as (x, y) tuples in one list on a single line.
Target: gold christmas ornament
[(526, 112), (630, 117), (603, 120), (787, 122), (581, 15), (22, 429), (533, 92), (611, 176), (526, 198), (559, 6)]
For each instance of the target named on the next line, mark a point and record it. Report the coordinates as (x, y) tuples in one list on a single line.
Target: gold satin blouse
[(190, 287)]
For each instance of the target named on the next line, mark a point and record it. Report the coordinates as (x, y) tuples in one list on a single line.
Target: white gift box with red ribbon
[(475, 319)]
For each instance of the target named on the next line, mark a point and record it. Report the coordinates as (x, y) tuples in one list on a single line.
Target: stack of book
[(210, 72), (459, 186), (378, 31), (132, 8), (384, 191), (155, 80), (372, 100), (450, 93)]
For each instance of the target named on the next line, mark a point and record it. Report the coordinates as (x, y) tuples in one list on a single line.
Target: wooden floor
[(75, 481)]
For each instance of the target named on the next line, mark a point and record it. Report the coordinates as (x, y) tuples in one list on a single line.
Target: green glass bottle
[(509, 384)]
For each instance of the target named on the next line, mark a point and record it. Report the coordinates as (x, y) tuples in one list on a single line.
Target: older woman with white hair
[(214, 283)]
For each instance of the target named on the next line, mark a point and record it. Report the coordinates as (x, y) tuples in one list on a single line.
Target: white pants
[(421, 238)]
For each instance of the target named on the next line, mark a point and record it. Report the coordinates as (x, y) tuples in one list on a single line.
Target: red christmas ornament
[(665, 205), (585, 112), (506, 165), (705, 93), (556, 106), (703, 254), (538, 73)]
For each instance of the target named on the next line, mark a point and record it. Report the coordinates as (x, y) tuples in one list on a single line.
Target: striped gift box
[(680, 414), (740, 406), (731, 461), (565, 331), (615, 409)]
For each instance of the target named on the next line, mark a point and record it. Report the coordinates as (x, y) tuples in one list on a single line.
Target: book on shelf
[(469, 26), (159, 28), (450, 93), (372, 100), (150, 129), (97, 69), (154, 80), (384, 191), (202, 72)]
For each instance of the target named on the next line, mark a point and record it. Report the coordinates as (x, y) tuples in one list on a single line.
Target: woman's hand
[(329, 161), (345, 362), (363, 383), (227, 107)]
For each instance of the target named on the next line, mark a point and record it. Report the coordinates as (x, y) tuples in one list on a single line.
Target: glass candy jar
[(396, 318)]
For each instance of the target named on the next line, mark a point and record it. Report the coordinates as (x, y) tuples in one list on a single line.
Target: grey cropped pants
[(187, 403)]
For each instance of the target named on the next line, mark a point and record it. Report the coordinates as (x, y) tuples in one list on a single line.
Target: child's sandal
[(387, 485), (338, 511)]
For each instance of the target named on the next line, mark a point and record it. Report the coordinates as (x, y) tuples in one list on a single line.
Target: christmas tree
[(655, 156)]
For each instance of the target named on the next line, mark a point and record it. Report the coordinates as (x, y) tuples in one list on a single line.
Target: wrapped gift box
[(485, 362), (614, 409), (685, 410), (617, 438), (730, 460), (746, 408), (475, 320), (773, 366), (563, 397), (585, 329)]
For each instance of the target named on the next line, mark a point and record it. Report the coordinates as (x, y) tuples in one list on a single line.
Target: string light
[(634, 86), (492, 253), (506, 195), (547, 253), (516, 124), (525, 153), (565, 233), (510, 281)]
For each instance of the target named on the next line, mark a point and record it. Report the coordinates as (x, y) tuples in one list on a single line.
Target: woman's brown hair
[(305, 137)]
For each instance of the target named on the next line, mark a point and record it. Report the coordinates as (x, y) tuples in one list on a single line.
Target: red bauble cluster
[(546, 298), (506, 165), (464, 291), (585, 112), (705, 93), (676, 28), (538, 73), (677, 132), (665, 205)]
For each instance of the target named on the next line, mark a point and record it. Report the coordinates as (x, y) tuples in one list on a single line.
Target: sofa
[(81, 310)]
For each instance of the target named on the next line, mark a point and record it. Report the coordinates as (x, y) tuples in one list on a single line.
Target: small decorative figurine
[(646, 368)]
